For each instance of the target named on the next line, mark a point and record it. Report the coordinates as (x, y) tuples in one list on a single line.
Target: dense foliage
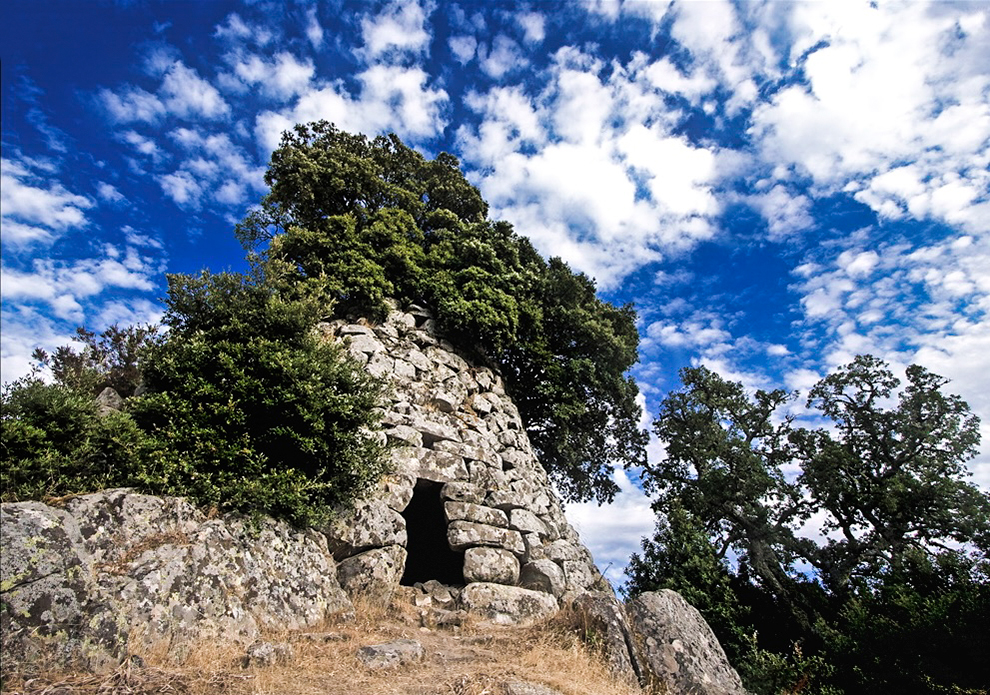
[(53, 443), (904, 557), (250, 409), (243, 408), (368, 219)]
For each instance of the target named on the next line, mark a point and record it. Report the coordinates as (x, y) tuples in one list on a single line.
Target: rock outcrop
[(84, 582), (678, 647)]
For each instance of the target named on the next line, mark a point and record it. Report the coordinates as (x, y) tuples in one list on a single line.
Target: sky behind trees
[(776, 186)]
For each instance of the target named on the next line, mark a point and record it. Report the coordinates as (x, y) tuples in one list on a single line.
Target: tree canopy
[(366, 219), (811, 535)]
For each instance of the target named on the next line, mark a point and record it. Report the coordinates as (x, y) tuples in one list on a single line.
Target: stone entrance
[(429, 553)]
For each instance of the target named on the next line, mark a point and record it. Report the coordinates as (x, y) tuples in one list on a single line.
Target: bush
[(54, 443), (248, 409)]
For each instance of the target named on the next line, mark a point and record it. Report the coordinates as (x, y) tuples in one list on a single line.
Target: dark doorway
[(429, 554)]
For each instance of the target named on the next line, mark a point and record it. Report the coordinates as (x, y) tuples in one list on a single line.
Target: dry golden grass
[(475, 659)]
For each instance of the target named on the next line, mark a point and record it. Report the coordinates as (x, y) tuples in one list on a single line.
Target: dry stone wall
[(467, 489)]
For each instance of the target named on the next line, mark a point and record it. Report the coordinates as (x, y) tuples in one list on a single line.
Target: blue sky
[(776, 186)]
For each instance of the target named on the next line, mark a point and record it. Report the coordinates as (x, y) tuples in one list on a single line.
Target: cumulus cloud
[(893, 108), (63, 285), (212, 168), (613, 536), (576, 169), (34, 208), (391, 98), (282, 76), (399, 28)]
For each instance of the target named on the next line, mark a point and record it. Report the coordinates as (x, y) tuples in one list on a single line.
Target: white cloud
[(108, 192), (786, 212), (213, 169), (132, 104), (392, 98), (236, 30), (62, 285), (503, 57), (575, 169), (281, 77), (533, 25), (34, 208), (463, 48), (400, 27), (613, 536), (314, 32), (894, 108), (188, 95)]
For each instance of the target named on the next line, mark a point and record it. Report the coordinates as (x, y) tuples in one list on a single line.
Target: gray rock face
[(507, 604), (490, 565), (391, 654), (373, 574), (601, 616), (678, 648), (78, 584)]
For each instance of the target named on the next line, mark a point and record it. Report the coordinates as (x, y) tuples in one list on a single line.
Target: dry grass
[(475, 659)]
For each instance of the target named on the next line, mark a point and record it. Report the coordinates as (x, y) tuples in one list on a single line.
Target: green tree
[(370, 219), (249, 409), (887, 478), (111, 358)]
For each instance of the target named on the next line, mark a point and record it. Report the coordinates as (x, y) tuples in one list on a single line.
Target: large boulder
[(78, 584), (507, 605), (601, 619), (678, 648)]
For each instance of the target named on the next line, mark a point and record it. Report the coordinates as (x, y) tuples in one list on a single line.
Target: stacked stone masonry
[(453, 427)]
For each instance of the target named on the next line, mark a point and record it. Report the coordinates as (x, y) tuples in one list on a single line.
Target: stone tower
[(469, 504)]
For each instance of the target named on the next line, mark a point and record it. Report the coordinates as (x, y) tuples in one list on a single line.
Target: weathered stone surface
[(463, 492), (490, 565), (466, 534), (437, 466), (515, 687), (581, 575), (470, 452), (543, 575), (507, 605), (371, 524), (79, 584), (476, 513), (679, 648), (525, 521), (602, 615), (264, 654), (391, 654), (374, 574), (109, 401), (404, 434)]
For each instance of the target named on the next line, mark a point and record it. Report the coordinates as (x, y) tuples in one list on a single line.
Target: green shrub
[(53, 443), (248, 409)]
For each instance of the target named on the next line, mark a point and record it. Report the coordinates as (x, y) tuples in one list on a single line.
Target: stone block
[(490, 565), (468, 534), (373, 574), (476, 513), (507, 605), (543, 575)]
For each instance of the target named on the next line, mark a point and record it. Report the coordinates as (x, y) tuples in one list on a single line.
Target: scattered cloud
[(399, 28), (36, 209)]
